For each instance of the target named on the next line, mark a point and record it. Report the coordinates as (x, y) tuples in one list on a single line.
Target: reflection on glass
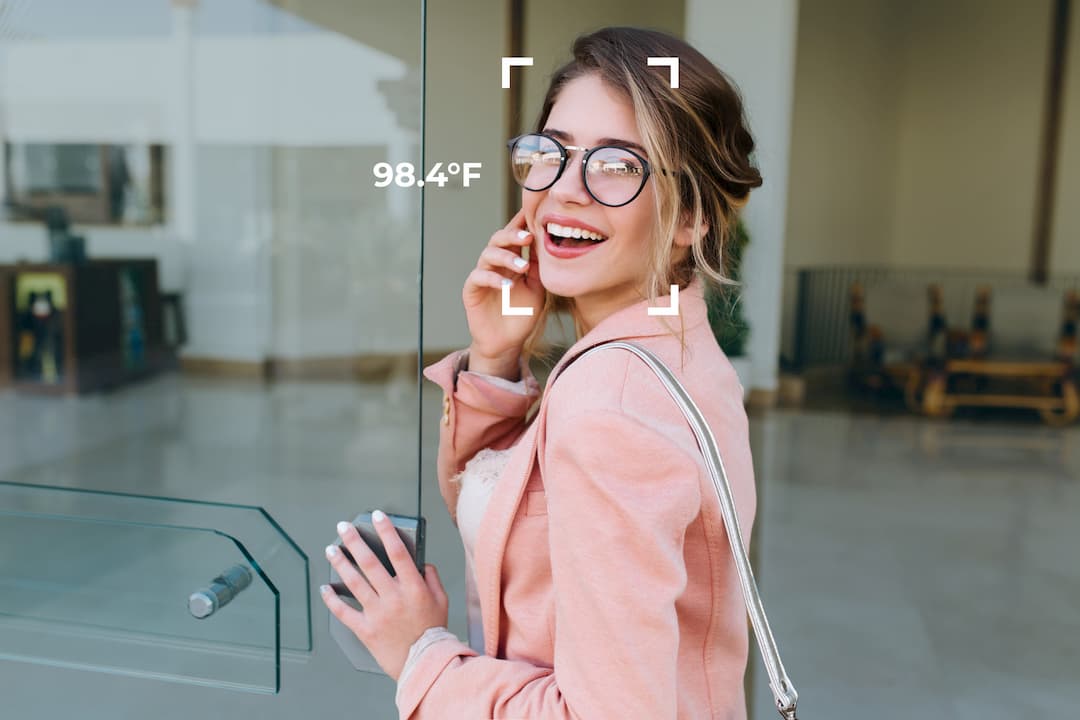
[(40, 306), (92, 183)]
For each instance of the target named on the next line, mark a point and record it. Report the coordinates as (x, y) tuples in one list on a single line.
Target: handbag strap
[(783, 691)]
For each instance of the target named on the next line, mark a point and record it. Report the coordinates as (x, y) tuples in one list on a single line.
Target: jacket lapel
[(494, 531)]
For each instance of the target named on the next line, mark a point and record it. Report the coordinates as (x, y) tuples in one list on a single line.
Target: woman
[(601, 583)]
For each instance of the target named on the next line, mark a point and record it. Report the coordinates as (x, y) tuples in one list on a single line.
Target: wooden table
[(1048, 386)]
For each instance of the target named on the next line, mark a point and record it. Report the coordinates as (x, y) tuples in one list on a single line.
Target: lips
[(566, 252), (566, 237)]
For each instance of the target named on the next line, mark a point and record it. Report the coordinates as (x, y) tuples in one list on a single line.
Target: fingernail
[(324, 589), (342, 527), (522, 234), (507, 282), (331, 551), (519, 263), (378, 516)]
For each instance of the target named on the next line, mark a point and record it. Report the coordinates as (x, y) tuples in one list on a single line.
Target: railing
[(822, 334)]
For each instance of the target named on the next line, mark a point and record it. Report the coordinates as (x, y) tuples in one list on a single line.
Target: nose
[(569, 188)]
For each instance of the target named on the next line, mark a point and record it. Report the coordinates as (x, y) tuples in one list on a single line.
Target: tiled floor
[(911, 569)]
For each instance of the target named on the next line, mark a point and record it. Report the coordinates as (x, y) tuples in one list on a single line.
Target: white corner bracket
[(509, 62), (506, 309), (671, 62), (672, 310)]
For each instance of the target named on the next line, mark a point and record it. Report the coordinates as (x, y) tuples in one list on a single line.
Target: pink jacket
[(606, 581)]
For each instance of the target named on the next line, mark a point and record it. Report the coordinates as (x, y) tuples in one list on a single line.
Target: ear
[(684, 236)]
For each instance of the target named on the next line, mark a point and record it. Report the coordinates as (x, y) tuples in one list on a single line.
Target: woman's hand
[(397, 610), (497, 336)]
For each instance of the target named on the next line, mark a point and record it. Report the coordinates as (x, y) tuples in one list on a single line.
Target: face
[(606, 276)]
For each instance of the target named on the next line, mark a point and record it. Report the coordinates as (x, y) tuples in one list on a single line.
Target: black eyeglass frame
[(564, 153)]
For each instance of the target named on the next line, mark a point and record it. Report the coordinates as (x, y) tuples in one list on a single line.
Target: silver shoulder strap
[(783, 691)]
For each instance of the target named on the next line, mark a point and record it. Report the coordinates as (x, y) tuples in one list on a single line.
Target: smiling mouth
[(573, 237)]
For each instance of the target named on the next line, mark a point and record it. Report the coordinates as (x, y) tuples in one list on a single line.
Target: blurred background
[(212, 318)]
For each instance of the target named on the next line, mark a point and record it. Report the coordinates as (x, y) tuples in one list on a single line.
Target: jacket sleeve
[(477, 413), (620, 497)]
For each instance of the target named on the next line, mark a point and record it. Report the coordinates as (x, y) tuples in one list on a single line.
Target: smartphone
[(411, 530)]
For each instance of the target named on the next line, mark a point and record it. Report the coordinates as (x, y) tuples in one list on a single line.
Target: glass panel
[(286, 281), (87, 578), (283, 562), (87, 593)]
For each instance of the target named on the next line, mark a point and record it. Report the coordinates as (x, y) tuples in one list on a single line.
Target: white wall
[(974, 78), (844, 146), (916, 135), (732, 34)]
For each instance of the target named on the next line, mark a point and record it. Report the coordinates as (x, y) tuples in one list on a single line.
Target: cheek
[(636, 227)]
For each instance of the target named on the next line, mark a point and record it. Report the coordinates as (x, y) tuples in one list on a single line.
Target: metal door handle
[(226, 586)]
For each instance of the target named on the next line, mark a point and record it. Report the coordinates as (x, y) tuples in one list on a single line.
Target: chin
[(565, 284)]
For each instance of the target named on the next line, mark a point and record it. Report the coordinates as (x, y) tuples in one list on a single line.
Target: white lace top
[(477, 482)]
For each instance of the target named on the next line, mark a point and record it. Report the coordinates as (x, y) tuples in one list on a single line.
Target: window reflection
[(95, 184)]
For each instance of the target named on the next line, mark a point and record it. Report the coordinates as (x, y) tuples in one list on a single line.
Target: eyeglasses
[(612, 175)]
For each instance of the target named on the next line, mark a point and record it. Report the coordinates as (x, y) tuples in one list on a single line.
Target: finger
[(515, 232), (350, 617), (350, 576), (434, 583), (374, 571), (404, 566), (512, 239), (484, 279), (495, 257), (522, 234)]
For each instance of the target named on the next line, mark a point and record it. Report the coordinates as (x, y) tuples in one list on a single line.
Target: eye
[(615, 168)]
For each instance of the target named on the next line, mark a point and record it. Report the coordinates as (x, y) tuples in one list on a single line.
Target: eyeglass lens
[(614, 175)]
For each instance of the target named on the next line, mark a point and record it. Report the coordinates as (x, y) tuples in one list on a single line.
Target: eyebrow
[(567, 137)]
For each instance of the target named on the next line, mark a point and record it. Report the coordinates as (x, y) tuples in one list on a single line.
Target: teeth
[(573, 232)]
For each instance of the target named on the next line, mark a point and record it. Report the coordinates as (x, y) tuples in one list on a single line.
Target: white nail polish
[(342, 527), (519, 263), (522, 234), (378, 516), (331, 551), (507, 282)]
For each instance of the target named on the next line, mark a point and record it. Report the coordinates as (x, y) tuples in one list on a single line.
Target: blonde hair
[(698, 144)]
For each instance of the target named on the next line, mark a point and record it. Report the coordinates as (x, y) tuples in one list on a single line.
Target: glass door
[(209, 341)]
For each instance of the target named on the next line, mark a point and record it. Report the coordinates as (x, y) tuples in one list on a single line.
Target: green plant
[(725, 304)]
